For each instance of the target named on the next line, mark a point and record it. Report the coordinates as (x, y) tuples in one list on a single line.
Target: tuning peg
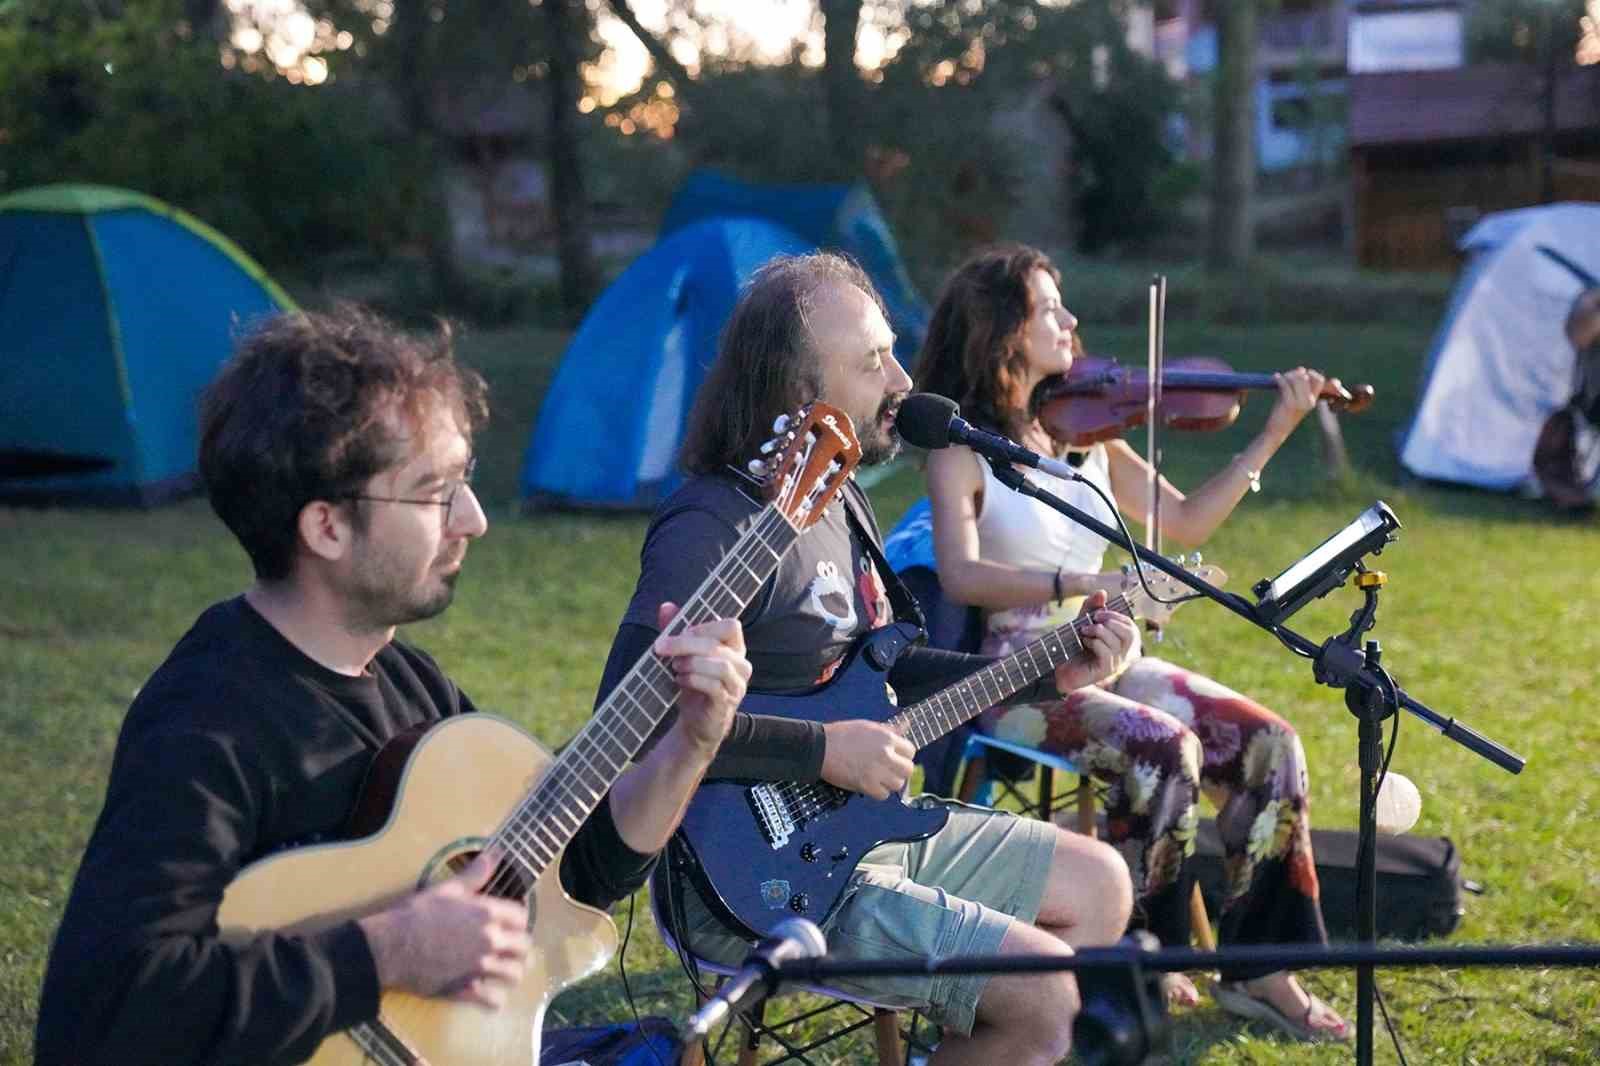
[(780, 423), (1194, 561), (769, 447), (757, 467)]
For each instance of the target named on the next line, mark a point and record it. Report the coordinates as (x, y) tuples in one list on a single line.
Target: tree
[(1521, 31), (446, 62), (133, 95), (1232, 226), (1542, 34), (667, 64), (924, 127), (579, 279), (841, 83)]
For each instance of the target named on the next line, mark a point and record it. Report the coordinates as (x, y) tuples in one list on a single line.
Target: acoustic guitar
[(476, 781)]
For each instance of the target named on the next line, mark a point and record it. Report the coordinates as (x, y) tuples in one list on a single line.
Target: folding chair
[(977, 781), (853, 1014)]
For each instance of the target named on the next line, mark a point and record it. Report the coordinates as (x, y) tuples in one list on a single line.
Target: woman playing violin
[(1157, 735)]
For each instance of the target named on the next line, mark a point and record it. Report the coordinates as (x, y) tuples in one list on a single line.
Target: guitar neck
[(551, 814), (935, 716)]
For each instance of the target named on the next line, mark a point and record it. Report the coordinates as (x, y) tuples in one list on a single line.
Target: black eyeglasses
[(448, 503)]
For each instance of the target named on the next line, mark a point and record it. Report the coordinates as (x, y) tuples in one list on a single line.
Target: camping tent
[(1501, 362), (609, 428), (115, 309), (845, 218)]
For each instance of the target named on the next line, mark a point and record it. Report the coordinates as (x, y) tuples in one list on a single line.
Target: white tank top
[(1021, 531)]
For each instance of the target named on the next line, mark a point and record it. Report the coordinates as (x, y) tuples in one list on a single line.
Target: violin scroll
[(1350, 400)]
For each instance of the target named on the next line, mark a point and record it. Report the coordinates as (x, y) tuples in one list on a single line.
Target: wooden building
[(1432, 151)]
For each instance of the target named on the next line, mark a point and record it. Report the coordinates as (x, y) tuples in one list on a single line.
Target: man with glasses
[(338, 451)]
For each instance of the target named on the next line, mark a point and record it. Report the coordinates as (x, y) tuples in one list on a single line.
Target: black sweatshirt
[(240, 746)]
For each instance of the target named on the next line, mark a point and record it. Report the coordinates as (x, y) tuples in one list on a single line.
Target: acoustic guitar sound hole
[(509, 880)]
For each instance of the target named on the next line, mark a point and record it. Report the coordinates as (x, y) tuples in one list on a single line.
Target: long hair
[(767, 363), (973, 353), (306, 410)]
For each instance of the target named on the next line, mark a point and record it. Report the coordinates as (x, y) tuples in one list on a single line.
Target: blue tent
[(608, 432), (115, 310), (844, 218)]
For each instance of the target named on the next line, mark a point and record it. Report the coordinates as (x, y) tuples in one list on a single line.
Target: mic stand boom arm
[(1370, 686)]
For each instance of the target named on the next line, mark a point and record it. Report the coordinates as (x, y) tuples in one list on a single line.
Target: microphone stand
[(1114, 1020), (1370, 694), (820, 970)]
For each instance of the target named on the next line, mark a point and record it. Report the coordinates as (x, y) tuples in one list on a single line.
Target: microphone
[(929, 421), (792, 938)]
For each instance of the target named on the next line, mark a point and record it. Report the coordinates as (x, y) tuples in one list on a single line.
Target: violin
[(1099, 399)]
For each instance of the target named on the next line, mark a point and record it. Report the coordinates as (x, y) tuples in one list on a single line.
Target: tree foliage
[(137, 99), (924, 128), (132, 92), (1518, 31)]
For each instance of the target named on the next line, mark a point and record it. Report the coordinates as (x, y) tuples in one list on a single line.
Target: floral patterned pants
[(1156, 737)]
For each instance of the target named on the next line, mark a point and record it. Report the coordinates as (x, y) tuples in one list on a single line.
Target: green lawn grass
[(1492, 613)]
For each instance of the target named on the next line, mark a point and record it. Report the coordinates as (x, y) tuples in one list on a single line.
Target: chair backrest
[(951, 625), (956, 627)]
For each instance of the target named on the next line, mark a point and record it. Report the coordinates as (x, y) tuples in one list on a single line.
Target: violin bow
[(1157, 360)]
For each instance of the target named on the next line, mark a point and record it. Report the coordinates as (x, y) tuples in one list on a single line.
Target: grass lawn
[(1492, 613)]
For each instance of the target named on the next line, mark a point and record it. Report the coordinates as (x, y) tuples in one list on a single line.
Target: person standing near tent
[(1563, 454), (339, 452), (811, 328), (1156, 734), (1583, 333)]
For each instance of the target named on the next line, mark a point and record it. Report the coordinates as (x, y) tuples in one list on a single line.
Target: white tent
[(1501, 363)]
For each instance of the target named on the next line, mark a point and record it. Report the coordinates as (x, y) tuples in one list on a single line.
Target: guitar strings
[(529, 826), (703, 607), (914, 719)]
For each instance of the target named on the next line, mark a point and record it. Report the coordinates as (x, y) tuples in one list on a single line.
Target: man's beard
[(375, 603), (879, 445)]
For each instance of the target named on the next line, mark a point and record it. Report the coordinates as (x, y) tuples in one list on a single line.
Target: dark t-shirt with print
[(798, 627), (804, 618)]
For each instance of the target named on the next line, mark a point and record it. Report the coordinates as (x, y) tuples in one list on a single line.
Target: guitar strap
[(901, 601)]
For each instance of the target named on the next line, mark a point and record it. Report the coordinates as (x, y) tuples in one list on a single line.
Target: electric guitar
[(475, 781), (761, 851)]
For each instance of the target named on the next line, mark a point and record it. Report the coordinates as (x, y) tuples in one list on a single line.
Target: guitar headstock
[(1168, 588), (814, 450)]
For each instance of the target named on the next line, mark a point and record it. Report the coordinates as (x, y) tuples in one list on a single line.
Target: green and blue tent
[(115, 310)]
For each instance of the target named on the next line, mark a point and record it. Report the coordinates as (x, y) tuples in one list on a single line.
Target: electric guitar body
[(763, 856), (763, 850)]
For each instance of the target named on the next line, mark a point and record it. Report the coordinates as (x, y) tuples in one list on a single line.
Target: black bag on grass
[(1419, 881)]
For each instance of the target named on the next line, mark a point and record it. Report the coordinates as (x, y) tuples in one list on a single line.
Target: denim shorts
[(955, 893)]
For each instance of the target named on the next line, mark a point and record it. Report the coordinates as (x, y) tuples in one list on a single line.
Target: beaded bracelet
[(1253, 476)]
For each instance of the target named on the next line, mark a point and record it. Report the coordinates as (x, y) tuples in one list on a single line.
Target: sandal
[(1235, 998)]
